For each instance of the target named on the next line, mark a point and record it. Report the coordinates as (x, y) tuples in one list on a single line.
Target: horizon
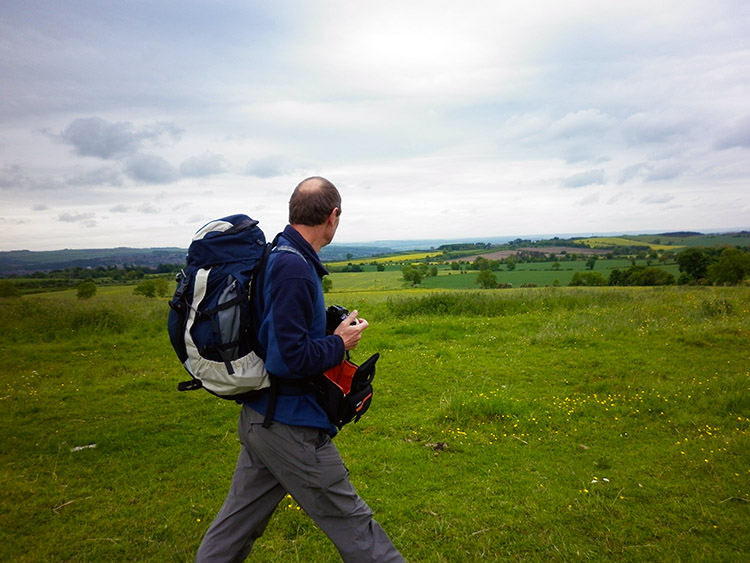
[(401, 244)]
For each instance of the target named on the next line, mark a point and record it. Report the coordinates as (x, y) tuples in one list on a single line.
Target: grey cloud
[(272, 166), (97, 177), (195, 219), (40, 207), (587, 178), (666, 171), (617, 197), (75, 217), (93, 136), (585, 122), (150, 169), (204, 165), (737, 135), (655, 128), (11, 177), (16, 177), (149, 208), (589, 200), (120, 208), (657, 198), (634, 171)]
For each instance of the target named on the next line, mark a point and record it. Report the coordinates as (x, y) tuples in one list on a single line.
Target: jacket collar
[(297, 241)]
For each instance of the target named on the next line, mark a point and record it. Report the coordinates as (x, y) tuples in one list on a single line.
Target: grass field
[(540, 273), (551, 424)]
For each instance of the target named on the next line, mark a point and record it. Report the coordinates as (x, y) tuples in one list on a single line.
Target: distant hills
[(20, 262)]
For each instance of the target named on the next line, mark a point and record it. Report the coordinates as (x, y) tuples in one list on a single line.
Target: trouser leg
[(309, 467), (252, 498)]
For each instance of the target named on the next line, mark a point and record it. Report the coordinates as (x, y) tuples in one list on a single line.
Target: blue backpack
[(210, 319)]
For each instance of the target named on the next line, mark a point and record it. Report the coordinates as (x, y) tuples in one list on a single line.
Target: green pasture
[(540, 273), (546, 424), (705, 240)]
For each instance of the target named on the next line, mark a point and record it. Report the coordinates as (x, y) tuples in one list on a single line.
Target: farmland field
[(539, 273), (599, 242), (547, 424)]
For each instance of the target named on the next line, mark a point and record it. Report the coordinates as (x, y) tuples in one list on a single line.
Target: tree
[(486, 279), (152, 287), (590, 263), (587, 279), (327, 284), (641, 275), (694, 262), (411, 274), (381, 267), (86, 289), (9, 289), (732, 267), (510, 263), (147, 288)]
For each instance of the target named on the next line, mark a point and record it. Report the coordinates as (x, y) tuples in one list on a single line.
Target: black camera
[(335, 315)]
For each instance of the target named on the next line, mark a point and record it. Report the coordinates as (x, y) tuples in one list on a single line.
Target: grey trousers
[(305, 463)]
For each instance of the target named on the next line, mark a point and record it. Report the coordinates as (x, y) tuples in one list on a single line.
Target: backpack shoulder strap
[(287, 248)]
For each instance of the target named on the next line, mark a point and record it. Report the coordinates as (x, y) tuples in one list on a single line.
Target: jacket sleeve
[(298, 346)]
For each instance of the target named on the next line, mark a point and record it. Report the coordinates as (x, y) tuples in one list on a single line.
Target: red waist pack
[(345, 391)]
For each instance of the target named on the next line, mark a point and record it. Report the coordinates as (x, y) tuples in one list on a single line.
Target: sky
[(133, 123)]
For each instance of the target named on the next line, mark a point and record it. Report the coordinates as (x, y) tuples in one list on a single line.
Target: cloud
[(148, 168), (634, 171), (96, 177), (737, 135), (93, 136), (11, 177), (272, 166), (667, 171), (85, 219), (119, 208), (585, 122), (655, 127), (657, 198), (619, 197), (587, 178), (589, 200), (148, 208), (205, 165)]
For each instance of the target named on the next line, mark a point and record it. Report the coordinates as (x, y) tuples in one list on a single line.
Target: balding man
[(285, 434)]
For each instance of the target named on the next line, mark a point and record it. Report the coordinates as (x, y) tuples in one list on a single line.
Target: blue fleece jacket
[(292, 330)]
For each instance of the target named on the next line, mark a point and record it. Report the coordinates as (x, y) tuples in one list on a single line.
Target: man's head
[(312, 202), (314, 210)]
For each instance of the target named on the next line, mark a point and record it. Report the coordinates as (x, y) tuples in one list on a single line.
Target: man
[(294, 454)]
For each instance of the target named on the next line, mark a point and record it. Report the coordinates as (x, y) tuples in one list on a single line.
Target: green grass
[(543, 274), (563, 424)]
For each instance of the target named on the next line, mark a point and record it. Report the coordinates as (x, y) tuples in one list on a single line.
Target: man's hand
[(350, 330)]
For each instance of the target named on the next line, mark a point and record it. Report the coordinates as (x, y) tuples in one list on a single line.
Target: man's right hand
[(350, 330)]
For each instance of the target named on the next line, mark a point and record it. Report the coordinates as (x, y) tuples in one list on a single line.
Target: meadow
[(546, 424), (542, 274)]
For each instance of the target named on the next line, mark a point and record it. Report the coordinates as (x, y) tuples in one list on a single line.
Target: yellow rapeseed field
[(599, 242)]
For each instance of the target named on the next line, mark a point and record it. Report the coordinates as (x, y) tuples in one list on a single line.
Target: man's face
[(333, 225)]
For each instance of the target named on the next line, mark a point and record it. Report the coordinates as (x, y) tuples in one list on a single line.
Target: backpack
[(210, 321)]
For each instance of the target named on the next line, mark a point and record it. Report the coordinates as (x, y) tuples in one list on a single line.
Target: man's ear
[(334, 214)]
